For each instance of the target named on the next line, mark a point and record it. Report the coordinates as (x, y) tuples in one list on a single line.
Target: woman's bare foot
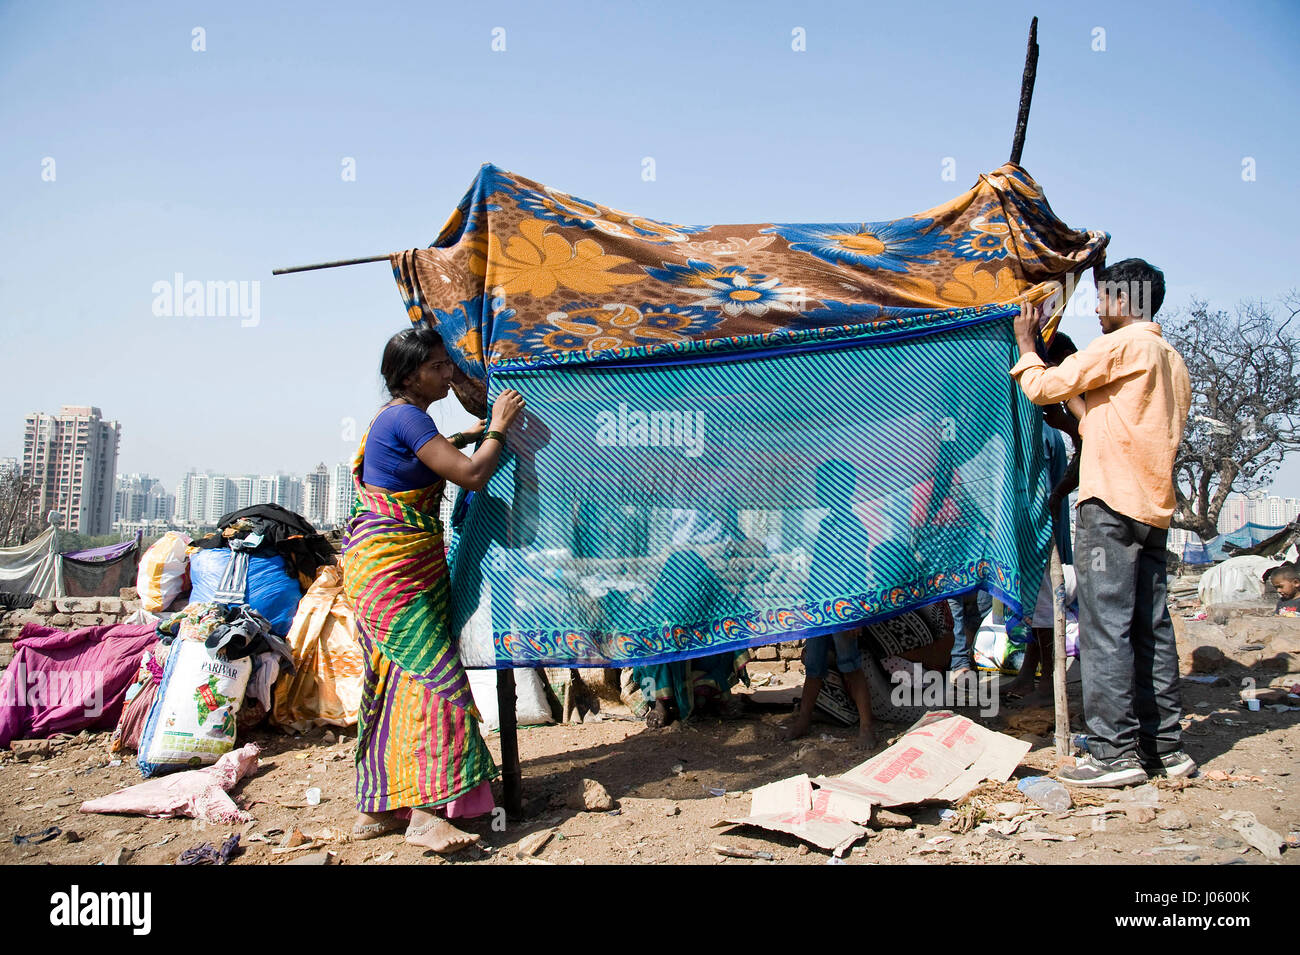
[(438, 834), (866, 737), (372, 825)]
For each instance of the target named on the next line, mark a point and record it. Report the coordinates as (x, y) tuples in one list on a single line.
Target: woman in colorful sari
[(419, 750)]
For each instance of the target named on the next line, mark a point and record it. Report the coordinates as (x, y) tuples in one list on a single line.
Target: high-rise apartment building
[(342, 495), (316, 495), (72, 457)]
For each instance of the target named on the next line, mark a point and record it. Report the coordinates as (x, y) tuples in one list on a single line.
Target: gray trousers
[(1127, 652)]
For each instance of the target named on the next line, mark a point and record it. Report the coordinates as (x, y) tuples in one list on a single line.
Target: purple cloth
[(107, 552), (396, 434), (61, 682)]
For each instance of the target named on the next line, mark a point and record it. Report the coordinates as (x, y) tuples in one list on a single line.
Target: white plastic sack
[(1236, 580), (163, 573), (531, 708), (192, 720)]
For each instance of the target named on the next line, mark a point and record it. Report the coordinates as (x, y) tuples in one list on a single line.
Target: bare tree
[(17, 490), (1245, 415)]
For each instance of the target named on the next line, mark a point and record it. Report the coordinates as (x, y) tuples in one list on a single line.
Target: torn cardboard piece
[(790, 806), (942, 757)]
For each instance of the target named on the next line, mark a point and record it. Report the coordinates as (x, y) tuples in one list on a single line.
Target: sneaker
[(1088, 770), (1175, 765)]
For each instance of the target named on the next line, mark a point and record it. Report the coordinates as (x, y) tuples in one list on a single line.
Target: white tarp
[(32, 568), (1236, 580)]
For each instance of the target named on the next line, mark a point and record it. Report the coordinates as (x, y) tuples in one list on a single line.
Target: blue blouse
[(398, 432)]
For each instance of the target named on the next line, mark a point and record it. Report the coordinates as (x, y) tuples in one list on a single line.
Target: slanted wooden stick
[(1026, 92)]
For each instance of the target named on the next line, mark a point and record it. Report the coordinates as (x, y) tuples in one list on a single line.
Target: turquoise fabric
[(706, 497)]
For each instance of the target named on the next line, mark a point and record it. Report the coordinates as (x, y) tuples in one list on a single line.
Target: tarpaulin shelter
[(740, 433), (38, 568), (101, 571)]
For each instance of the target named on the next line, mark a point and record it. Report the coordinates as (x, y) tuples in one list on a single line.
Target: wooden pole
[(1026, 92), (329, 265), (1057, 576), (512, 775)]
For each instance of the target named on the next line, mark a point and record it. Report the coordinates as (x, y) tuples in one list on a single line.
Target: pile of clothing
[(214, 664)]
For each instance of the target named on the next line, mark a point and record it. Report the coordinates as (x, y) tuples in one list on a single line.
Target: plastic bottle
[(1046, 792)]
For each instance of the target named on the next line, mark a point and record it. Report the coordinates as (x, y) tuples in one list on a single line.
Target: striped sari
[(418, 742)]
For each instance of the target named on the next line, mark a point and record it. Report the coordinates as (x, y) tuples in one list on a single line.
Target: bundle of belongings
[(225, 638), (213, 665)]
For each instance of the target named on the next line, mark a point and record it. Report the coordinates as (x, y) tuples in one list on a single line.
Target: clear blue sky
[(226, 163)]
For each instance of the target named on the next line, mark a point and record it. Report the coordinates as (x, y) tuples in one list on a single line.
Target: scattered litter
[(715, 791), (1046, 792), (198, 793), (313, 796), (1042, 835), (1220, 776), (1205, 678), (1255, 832), (531, 845), (206, 854), (737, 853), (36, 838), (942, 757)]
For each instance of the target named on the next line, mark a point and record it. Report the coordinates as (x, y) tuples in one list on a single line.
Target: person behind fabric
[(686, 594), (419, 750), (1286, 581), (840, 562), (1136, 395), (1064, 417), (1041, 649)]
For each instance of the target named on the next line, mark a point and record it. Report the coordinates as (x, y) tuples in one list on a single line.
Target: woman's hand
[(473, 432), (505, 409)]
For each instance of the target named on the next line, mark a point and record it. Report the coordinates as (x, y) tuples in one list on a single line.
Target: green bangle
[(457, 440), (495, 434)]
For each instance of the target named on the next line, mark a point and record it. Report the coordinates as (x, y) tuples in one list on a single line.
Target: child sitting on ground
[(848, 660), (1286, 581)]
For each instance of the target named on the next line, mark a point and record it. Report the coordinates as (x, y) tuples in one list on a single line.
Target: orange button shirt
[(1136, 393)]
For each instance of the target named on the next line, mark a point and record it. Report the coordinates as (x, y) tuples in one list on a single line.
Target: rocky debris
[(1207, 659), (1140, 814), (119, 856), (887, 819), (312, 858), (593, 798), (1173, 819), (32, 749)]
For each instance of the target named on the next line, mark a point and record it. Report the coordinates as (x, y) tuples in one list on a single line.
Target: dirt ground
[(665, 784)]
